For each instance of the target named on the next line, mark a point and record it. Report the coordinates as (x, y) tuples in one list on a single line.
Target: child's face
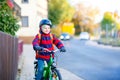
[(45, 29)]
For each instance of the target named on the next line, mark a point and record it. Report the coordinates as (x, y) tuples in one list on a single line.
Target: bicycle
[(50, 71)]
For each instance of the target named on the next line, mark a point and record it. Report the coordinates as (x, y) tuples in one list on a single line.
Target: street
[(91, 61), (84, 59)]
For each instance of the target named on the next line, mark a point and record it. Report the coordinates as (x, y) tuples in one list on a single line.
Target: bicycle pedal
[(35, 62), (53, 67)]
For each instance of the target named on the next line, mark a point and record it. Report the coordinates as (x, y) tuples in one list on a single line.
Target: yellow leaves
[(118, 26), (108, 15), (116, 14)]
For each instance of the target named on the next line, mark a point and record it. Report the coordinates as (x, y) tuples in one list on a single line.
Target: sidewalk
[(27, 67)]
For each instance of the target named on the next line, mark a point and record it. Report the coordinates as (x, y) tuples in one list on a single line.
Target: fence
[(8, 57)]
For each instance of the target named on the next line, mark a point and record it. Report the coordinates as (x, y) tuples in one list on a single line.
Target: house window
[(25, 1), (25, 21)]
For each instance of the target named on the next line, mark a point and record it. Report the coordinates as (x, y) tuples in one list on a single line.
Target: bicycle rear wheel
[(35, 68), (56, 74)]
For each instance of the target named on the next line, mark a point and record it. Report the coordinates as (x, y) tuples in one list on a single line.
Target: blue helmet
[(45, 22)]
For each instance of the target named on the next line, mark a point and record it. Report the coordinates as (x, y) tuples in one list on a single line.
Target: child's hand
[(38, 48), (46, 50), (62, 49)]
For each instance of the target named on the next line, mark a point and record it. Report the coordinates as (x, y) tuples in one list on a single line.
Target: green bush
[(8, 22), (110, 41)]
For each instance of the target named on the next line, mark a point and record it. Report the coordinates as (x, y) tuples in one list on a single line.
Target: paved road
[(26, 64), (91, 61)]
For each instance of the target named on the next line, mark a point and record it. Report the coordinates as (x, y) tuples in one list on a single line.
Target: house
[(32, 11)]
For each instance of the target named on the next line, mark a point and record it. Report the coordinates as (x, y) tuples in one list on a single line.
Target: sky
[(110, 5), (103, 5)]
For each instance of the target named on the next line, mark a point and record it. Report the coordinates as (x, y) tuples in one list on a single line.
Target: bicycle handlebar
[(51, 52), (55, 50)]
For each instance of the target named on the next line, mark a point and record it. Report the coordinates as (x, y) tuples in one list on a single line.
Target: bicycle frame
[(47, 69), (50, 71)]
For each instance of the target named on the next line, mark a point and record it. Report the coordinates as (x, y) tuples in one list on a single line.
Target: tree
[(108, 20), (117, 20), (84, 18), (59, 11), (118, 26), (2, 0), (8, 22)]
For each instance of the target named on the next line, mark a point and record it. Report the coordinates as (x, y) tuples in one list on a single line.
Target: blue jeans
[(40, 69)]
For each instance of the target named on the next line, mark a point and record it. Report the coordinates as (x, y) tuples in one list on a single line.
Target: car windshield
[(84, 33), (64, 34)]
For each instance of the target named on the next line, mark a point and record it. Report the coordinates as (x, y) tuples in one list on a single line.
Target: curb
[(67, 75), (20, 66)]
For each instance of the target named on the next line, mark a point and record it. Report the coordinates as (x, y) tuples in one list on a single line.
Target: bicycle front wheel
[(56, 75)]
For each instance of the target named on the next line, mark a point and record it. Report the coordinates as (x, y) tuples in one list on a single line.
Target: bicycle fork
[(47, 74)]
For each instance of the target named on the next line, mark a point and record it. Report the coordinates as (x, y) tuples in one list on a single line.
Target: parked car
[(65, 36), (84, 36)]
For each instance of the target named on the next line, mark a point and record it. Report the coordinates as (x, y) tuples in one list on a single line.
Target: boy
[(44, 42)]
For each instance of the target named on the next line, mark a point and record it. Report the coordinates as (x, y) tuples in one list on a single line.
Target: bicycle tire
[(36, 69), (56, 74)]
